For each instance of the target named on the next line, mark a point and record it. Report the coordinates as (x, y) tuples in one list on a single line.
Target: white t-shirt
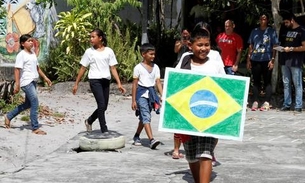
[(99, 62), (213, 55), (209, 67), (27, 62), (146, 79)]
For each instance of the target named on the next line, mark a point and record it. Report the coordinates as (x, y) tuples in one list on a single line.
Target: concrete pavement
[(273, 151)]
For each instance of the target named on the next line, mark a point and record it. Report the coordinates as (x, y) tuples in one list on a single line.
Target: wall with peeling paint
[(25, 17)]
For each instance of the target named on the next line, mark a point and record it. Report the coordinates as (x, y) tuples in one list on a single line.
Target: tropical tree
[(73, 30), (275, 8), (103, 11)]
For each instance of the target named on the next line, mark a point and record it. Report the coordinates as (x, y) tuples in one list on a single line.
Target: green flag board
[(204, 105)]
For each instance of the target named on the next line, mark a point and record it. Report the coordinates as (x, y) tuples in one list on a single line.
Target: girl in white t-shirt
[(27, 72), (101, 61)]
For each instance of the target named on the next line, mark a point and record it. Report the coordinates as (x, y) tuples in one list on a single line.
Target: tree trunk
[(144, 38), (171, 21), (162, 14), (158, 20), (275, 7), (302, 6)]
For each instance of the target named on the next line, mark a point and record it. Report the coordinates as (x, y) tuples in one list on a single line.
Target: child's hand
[(75, 87), (134, 106), (122, 89), (16, 89), (270, 65), (49, 82)]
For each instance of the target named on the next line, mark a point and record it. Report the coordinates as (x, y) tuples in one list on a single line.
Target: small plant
[(126, 53), (14, 101), (58, 115), (25, 118)]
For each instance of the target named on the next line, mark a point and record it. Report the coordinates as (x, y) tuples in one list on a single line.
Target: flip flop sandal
[(175, 155), (39, 132), (7, 123), (181, 155)]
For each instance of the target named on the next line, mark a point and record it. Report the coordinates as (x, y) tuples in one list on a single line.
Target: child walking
[(101, 61), (199, 150), (27, 72), (144, 96)]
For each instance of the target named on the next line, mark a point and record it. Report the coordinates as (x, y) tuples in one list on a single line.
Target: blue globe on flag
[(203, 104)]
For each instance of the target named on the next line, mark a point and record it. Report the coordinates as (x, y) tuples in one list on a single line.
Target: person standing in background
[(261, 59), (231, 45), (181, 45), (292, 60), (200, 12)]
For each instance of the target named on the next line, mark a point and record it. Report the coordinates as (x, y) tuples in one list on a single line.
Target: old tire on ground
[(96, 141)]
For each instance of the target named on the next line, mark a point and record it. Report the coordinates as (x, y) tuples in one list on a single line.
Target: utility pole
[(145, 5)]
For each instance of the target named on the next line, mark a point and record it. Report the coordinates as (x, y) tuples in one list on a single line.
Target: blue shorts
[(199, 147), (144, 110)]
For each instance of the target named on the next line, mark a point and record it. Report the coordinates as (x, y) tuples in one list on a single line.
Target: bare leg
[(148, 131), (195, 170), (177, 144), (140, 128), (205, 170)]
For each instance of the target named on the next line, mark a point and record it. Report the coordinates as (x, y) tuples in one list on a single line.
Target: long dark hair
[(23, 38), (100, 33)]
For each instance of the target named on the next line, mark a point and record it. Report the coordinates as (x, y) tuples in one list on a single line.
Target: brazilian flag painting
[(204, 105)]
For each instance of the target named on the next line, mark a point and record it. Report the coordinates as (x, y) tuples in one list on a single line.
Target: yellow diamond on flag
[(204, 104)]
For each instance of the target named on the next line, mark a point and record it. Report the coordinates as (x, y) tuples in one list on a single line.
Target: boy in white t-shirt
[(199, 150), (144, 97)]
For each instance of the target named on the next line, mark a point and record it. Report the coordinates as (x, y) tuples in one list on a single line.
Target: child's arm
[(159, 87), (79, 76), (45, 78), (117, 79), (134, 93), (17, 80)]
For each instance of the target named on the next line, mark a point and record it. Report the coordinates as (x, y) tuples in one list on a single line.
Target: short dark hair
[(203, 25), (147, 47), (264, 15), (288, 16), (199, 33), (23, 38), (185, 28)]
